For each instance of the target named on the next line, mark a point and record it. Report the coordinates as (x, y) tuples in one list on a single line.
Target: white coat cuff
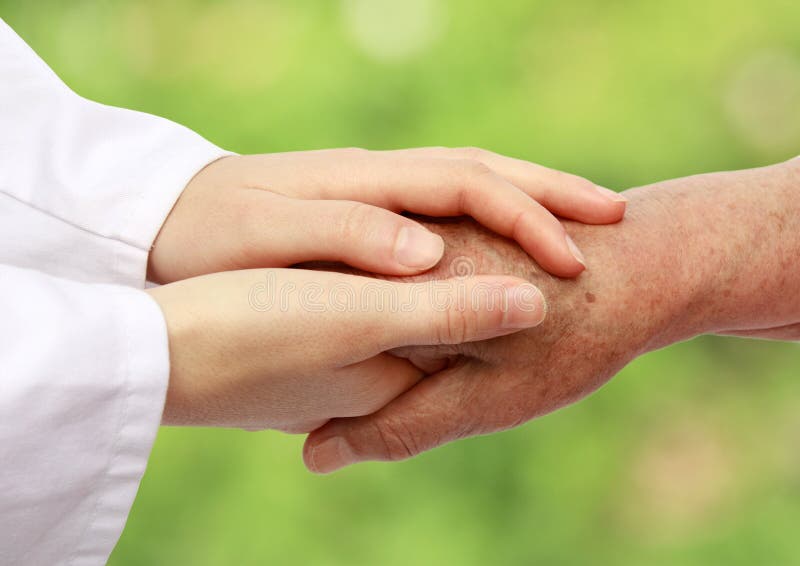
[(145, 384), (183, 156)]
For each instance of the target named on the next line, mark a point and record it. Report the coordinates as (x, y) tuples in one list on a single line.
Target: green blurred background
[(689, 457)]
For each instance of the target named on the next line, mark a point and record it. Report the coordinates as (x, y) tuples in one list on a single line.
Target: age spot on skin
[(590, 298)]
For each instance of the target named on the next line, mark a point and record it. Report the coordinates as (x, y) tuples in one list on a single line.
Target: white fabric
[(84, 371), (90, 182), (84, 363)]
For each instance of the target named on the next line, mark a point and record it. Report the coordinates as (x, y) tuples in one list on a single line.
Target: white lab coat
[(84, 363)]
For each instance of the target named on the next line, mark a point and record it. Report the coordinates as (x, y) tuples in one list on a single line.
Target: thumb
[(439, 409)]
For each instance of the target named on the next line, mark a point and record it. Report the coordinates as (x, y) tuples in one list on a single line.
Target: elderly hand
[(277, 210), (713, 253)]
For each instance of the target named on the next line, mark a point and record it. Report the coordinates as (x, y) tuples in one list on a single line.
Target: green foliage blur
[(689, 457)]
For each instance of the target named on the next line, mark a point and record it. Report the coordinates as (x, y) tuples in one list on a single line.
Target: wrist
[(732, 241), (636, 293), (178, 327), (191, 220), (642, 273)]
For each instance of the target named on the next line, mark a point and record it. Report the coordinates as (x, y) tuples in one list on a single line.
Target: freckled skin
[(712, 253), (582, 343), (646, 286)]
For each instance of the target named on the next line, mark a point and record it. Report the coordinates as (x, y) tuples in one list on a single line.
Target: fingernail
[(526, 307), (331, 455), (417, 248), (609, 194), (575, 251)]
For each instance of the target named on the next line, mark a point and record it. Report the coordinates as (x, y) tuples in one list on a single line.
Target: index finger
[(565, 194), (437, 186)]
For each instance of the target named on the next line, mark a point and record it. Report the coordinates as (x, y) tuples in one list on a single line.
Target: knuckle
[(518, 222), (397, 441), (473, 153), (476, 169), (352, 151), (355, 222), (470, 176), (457, 326)]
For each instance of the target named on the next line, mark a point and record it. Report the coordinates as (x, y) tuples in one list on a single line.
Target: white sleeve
[(83, 374), (84, 188)]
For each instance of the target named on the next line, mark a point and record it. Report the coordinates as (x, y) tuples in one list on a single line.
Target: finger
[(360, 389), (371, 384), (452, 187), (370, 316), (373, 316), (440, 409), (360, 235), (451, 311), (567, 195)]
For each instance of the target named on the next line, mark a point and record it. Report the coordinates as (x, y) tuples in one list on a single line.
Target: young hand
[(276, 210), (289, 349)]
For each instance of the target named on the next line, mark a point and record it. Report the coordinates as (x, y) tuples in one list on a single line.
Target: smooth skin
[(716, 253), (289, 349), (276, 210)]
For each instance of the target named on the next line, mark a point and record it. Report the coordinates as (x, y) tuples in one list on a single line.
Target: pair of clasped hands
[(257, 344)]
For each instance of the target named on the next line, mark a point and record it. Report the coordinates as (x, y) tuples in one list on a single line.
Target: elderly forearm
[(741, 232)]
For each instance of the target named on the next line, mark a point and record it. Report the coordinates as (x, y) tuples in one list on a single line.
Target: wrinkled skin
[(713, 253), (593, 329)]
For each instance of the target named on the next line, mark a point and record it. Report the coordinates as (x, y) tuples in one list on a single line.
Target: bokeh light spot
[(393, 30)]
